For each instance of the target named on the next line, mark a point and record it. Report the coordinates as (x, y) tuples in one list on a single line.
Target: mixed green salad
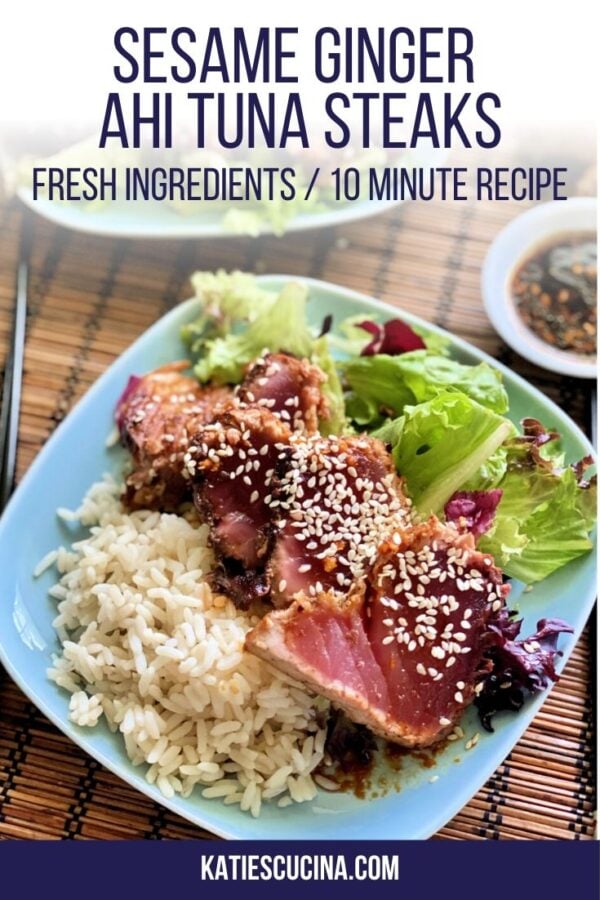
[(459, 453)]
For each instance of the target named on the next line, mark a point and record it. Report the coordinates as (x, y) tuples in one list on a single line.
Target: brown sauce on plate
[(365, 781), (555, 291)]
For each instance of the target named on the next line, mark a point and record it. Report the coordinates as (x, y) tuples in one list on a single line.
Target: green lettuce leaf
[(489, 474), (276, 324), (440, 445), (383, 385), (226, 299), (436, 343), (546, 513)]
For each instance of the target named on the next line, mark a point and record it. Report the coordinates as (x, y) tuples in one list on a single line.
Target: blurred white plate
[(151, 219), (512, 245), (154, 219)]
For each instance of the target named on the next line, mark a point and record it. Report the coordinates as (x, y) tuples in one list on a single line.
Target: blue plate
[(75, 456)]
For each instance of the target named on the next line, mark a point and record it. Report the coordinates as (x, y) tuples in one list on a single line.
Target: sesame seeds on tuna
[(437, 621), (342, 499)]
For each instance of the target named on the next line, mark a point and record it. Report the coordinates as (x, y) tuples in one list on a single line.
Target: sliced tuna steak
[(289, 387), (336, 501), (401, 657), (157, 416), (233, 463)]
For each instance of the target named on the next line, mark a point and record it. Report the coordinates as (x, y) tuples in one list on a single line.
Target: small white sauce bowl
[(511, 247)]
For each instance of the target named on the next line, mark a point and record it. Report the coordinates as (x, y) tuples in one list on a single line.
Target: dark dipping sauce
[(555, 291)]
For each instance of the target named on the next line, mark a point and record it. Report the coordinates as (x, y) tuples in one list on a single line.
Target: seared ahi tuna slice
[(157, 415), (337, 500), (402, 659), (289, 387), (430, 598), (233, 462), (324, 644)]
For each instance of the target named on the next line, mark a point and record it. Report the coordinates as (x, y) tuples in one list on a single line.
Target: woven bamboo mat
[(89, 299)]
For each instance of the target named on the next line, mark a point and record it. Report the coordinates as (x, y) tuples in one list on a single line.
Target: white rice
[(147, 645)]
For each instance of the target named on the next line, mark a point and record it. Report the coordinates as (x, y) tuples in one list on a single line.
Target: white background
[(56, 58)]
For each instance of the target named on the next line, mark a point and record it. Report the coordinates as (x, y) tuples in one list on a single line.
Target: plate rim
[(86, 742)]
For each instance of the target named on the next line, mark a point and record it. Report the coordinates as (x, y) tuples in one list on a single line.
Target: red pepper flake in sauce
[(555, 291)]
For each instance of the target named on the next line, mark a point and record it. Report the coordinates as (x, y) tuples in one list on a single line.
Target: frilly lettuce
[(547, 509), (516, 666), (227, 299), (442, 444), (240, 320), (383, 385)]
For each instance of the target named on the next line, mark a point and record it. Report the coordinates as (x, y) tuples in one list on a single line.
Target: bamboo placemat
[(89, 299)]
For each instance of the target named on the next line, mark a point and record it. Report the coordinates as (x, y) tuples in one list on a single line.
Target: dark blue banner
[(403, 871)]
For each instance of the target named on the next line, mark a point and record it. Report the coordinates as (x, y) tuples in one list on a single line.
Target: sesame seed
[(305, 567), (445, 721), (458, 697)]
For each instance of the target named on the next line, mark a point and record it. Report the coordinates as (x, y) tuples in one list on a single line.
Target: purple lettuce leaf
[(473, 511), (392, 338), (513, 668)]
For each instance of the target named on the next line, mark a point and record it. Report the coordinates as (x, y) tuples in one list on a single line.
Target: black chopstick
[(11, 388)]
